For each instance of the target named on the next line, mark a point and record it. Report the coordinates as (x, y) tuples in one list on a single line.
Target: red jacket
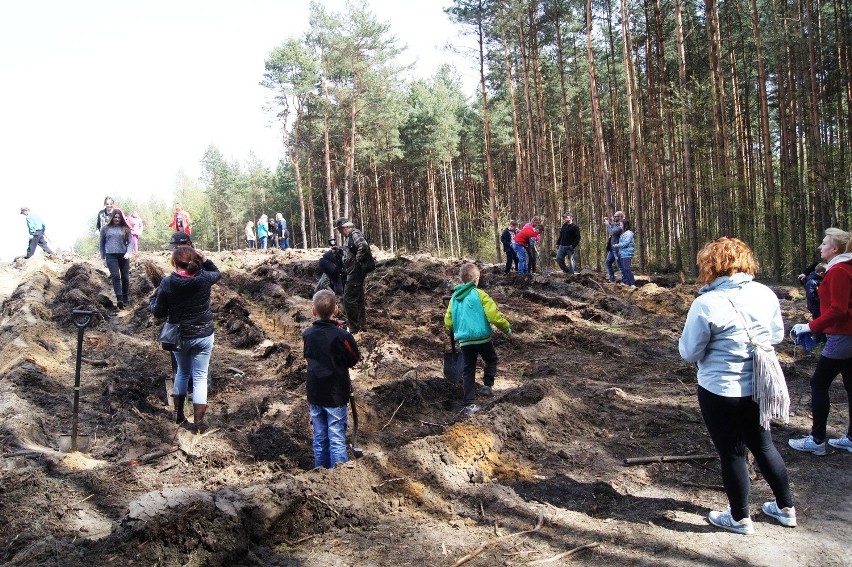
[(835, 301), (524, 235), (185, 220)]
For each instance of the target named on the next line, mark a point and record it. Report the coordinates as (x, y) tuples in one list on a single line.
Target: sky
[(116, 98)]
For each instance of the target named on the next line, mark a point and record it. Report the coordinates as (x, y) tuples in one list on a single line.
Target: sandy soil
[(590, 377)]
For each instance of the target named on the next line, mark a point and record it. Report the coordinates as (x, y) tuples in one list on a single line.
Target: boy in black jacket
[(330, 352)]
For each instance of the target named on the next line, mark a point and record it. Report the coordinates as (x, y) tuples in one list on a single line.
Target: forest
[(696, 119)]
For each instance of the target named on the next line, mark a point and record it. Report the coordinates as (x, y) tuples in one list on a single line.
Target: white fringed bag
[(769, 387)]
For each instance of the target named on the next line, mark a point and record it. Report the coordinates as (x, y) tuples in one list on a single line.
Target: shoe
[(787, 518), (726, 522), (633, 287), (470, 409), (179, 401), (198, 413), (842, 443), (487, 391), (808, 445), (120, 304)]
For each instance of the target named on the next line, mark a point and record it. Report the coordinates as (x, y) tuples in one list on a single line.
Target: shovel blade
[(453, 367), (66, 443)]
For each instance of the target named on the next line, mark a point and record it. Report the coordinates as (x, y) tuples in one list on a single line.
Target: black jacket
[(186, 300), (506, 238), (569, 235), (331, 263), (330, 352)]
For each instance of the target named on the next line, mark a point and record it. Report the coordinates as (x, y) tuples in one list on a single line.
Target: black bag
[(169, 337)]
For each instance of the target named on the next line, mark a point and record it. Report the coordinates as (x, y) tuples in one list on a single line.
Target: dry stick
[(539, 523), (314, 496), (298, 541), (432, 424), (384, 482), (700, 485), (564, 554), (666, 459), (393, 415), (151, 456)]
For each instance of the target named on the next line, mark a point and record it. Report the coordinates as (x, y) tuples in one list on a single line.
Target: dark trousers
[(119, 274), (625, 263), (511, 258), (354, 305), (37, 239), (532, 256), (469, 354), (826, 371), (734, 427)]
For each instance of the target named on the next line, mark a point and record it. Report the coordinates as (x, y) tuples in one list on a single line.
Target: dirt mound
[(589, 377)]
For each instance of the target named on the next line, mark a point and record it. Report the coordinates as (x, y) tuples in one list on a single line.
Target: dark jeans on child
[(469, 354), (734, 427)]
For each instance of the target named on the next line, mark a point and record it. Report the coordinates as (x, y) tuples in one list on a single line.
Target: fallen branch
[(539, 523), (92, 362), (666, 459), (236, 371), (384, 482), (432, 424), (564, 554), (151, 457), (700, 485), (298, 541), (327, 505), (393, 415)]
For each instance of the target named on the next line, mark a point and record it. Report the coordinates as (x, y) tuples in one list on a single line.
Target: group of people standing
[(271, 233), (620, 248), (519, 245)]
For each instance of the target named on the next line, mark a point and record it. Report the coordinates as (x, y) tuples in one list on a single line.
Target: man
[(614, 229), (506, 238), (36, 227), (331, 267), (569, 239), (357, 263), (105, 214), (181, 220)]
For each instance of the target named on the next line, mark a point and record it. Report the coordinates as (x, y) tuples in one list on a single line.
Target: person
[(136, 228), (105, 214), (330, 351), (810, 279), (569, 239), (835, 320), (624, 250), (184, 297), (331, 269), (181, 221), (520, 244), (272, 230), (357, 263), (250, 239), (115, 252), (506, 239), (262, 231), (281, 229), (469, 316), (36, 227), (716, 338), (614, 229)]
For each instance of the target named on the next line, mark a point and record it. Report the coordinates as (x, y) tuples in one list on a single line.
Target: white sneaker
[(726, 522), (844, 443), (808, 445), (470, 409), (785, 516)]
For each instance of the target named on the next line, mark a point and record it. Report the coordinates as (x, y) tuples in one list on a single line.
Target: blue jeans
[(119, 274), (329, 435), (193, 360), (521, 253), (626, 271), (565, 251), (262, 243), (612, 258)]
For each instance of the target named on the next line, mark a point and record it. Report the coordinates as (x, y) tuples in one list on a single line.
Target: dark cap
[(179, 238), (343, 222), (567, 214), (332, 242)]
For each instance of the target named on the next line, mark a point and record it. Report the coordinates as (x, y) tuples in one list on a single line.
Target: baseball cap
[(179, 238), (343, 222)]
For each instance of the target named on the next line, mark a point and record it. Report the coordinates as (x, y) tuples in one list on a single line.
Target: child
[(330, 352), (469, 316), (811, 283)]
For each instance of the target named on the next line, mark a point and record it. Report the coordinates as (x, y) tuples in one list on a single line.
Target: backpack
[(369, 263)]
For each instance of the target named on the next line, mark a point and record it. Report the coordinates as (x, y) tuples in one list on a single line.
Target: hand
[(802, 277), (800, 328)]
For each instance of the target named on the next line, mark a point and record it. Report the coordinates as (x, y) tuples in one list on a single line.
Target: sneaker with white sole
[(470, 409), (785, 516), (808, 445), (844, 443), (725, 521)]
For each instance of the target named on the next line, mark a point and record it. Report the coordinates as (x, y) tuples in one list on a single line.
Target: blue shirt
[(34, 223)]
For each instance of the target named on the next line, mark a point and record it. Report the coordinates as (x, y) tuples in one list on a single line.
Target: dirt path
[(590, 377)]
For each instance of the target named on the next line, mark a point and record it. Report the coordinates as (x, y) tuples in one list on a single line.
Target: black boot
[(180, 417), (200, 425)]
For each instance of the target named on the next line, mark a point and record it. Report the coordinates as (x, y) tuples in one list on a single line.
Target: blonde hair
[(324, 303), (468, 272), (725, 257), (840, 238)]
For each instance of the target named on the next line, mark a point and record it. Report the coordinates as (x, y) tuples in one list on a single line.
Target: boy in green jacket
[(469, 316)]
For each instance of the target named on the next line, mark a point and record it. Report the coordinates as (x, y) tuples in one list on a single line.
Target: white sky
[(115, 97)]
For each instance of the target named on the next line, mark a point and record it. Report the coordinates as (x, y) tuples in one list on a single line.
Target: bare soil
[(591, 376)]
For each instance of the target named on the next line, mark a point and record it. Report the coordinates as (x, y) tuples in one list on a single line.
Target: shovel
[(453, 363), (74, 442), (356, 450)]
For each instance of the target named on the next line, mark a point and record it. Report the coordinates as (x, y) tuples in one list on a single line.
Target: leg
[(489, 356), (43, 243), (826, 371), (353, 302), (112, 264), (319, 421), (469, 354), (124, 270), (521, 252), (200, 353), (508, 267), (560, 257), (571, 264), (759, 442), (183, 361), (721, 418), (337, 421), (610, 260)]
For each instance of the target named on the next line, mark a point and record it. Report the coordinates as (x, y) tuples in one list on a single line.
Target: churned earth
[(590, 377)]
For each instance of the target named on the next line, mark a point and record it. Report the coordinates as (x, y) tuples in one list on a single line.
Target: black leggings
[(734, 426), (826, 371)]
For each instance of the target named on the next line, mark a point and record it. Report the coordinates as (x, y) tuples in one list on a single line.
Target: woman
[(521, 243), (715, 336), (625, 249), (136, 228), (184, 296), (250, 235), (262, 231), (835, 320), (281, 229), (115, 251)]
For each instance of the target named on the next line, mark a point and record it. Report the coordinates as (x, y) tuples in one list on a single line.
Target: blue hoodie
[(470, 314), (714, 335)]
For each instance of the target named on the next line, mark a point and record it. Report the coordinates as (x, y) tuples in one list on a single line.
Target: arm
[(448, 316), (211, 272), (696, 333), (836, 308), (347, 349), (492, 313), (776, 326), (159, 304), (102, 243), (362, 247)]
